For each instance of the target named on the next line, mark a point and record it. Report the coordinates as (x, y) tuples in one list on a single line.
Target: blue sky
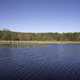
[(40, 15)]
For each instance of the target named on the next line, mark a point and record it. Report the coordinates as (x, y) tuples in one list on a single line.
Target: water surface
[(53, 62)]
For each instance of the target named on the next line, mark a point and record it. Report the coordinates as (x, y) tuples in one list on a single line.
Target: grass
[(26, 44), (39, 42)]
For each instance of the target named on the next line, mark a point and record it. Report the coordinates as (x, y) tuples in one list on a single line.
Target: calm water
[(54, 62)]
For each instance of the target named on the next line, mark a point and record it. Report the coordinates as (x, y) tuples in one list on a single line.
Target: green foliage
[(9, 35)]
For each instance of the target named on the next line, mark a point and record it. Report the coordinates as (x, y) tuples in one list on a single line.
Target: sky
[(40, 15)]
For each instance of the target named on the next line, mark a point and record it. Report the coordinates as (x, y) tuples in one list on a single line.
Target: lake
[(52, 62)]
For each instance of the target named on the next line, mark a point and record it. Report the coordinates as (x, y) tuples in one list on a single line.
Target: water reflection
[(20, 45), (5, 52), (7, 64), (55, 62)]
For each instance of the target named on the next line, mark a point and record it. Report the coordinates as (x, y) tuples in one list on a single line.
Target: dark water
[(55, 62)]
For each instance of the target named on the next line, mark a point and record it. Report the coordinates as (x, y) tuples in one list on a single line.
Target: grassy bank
[(39, 42), (29, 44)]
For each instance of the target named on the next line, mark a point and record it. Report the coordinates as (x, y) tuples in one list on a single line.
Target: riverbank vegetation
[(7, 35)]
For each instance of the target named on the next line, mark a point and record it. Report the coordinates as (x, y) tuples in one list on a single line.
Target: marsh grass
[(28, 44)]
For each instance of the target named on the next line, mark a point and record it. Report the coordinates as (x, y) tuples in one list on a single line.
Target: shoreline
[(40, 42)]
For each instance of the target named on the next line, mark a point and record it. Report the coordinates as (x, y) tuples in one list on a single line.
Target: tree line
[(19, 36)]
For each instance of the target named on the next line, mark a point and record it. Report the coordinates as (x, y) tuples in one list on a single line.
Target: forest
[(50, 36)]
